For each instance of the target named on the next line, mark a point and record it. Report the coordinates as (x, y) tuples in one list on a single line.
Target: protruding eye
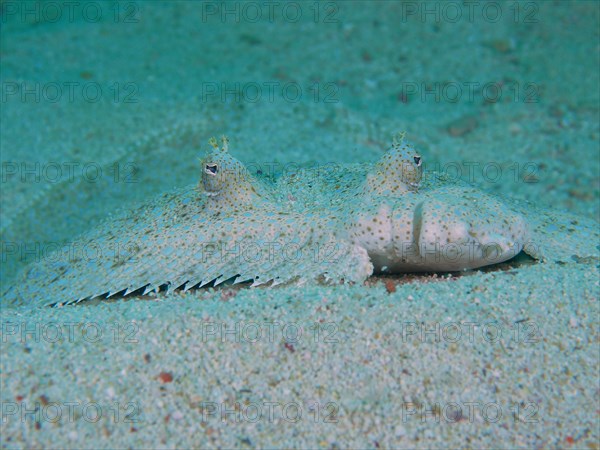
[(211, 169), (417, 160)]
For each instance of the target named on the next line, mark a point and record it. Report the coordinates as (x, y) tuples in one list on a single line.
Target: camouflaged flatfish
[(335, 224)]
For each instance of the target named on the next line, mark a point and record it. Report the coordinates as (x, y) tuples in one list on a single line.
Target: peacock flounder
[(338, 224)]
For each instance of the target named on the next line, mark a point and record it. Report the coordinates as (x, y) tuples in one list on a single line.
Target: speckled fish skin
[(337, 224)]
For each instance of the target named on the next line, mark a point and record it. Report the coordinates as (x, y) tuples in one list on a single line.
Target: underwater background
[(108, 104)]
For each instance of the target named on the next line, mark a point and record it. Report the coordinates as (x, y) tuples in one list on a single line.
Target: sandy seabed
[(500, 358)]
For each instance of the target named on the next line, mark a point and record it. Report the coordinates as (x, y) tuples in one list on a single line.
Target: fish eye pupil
[(417, 160), (211, 168)]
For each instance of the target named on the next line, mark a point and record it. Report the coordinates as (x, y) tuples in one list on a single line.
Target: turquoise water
[(123, 96), (108, 104)]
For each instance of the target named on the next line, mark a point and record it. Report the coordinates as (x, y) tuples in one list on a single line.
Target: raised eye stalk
[(225, 180), (211, 169), (398, 172)]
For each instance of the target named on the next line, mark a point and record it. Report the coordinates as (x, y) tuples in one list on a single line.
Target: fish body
[(336, 224)]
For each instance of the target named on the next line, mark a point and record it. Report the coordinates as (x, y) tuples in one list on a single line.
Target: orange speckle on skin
[(570, 440)]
